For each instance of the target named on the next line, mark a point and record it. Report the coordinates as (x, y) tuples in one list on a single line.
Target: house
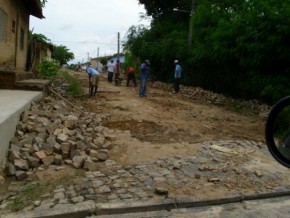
[(115, 58), (99, 66), (14, 29), (37, 52)]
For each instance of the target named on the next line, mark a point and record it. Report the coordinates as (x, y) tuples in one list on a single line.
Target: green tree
[(104, 61), (39, 37), (42, 3), (62, 54), (239, 42)]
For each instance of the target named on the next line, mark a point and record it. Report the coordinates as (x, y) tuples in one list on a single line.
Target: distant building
[(121, 58), (14, 23), (38, 52)]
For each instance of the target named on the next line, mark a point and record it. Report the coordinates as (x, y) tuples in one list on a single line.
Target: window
[(3, 25), (22, 39)]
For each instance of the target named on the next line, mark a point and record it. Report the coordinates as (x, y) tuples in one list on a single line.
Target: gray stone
[(74, 153), (161, 190), (39, 140), (99, 141), (57, 132), (28, 146), (65, 147), (97, 183), (21, 175), (78, 161), (51, 140), (10, 169), (68, 162), (13, 154), (48, 149), (59, 195), (61, 138), (21, 164), (92, 166), (15, 147), (58, 159), (78, 199), (69, 123), (40, 130), (57, 147), (71, 194), (93, 153), (33, 162), (107, 145), (125, 196), (48, 160), (72, 117), (105, 189), (102, 155)]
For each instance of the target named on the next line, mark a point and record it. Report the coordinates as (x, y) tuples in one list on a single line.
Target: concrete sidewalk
[(12, 104)]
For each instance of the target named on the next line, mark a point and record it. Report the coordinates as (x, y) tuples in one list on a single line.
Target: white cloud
[(84, 26)]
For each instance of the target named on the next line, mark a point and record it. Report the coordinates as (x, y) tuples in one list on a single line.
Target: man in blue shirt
[(144, 78), (177, 76), (94, 77)]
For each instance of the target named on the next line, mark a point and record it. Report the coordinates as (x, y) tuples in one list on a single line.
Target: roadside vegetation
[(31, 193), (51, 70), (238, 48)]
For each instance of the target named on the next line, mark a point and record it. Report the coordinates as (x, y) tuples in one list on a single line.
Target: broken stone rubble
[(53, 133)]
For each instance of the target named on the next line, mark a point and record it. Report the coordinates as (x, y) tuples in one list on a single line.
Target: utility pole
[(191, 25), (118, 54), (98, 59)]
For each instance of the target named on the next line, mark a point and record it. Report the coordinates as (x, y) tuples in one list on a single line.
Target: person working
[(131, 76), (94, 77), (144, 78)]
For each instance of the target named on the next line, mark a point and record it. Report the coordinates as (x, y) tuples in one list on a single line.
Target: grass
[(74, 85), (33, 191)]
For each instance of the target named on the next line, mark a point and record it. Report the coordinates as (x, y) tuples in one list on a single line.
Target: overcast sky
[(84, 26)]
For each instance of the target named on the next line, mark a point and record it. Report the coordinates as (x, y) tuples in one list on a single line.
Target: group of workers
[(94, 76)]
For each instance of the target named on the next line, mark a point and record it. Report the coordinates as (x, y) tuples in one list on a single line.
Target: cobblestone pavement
[(218, 164)]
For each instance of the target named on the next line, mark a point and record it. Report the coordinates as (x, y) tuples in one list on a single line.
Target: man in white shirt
[(111, 69)]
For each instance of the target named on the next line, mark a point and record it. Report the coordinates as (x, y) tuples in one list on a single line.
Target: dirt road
[(166, 124), (229, 146)]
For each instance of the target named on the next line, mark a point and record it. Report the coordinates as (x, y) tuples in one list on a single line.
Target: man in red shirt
[(131, 76)]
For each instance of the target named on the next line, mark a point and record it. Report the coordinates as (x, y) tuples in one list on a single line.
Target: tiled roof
[(34, 8)]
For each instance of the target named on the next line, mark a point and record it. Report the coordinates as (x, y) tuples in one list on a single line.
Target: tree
[(39, 37), (42, 3), (239, 42), (62, 54)]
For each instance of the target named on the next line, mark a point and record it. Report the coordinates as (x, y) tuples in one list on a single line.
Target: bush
[(48, 69), (74, 86)]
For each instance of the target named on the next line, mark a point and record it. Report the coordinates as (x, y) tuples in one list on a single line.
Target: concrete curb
[(88, 208), (178, 203), (13, 102)]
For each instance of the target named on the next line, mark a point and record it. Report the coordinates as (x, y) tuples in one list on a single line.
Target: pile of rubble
[(198, 93), (54, 132)]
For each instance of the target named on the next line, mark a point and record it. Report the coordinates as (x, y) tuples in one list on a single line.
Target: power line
[(86, 42)]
